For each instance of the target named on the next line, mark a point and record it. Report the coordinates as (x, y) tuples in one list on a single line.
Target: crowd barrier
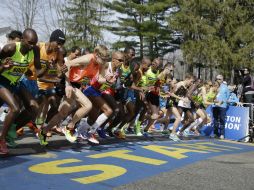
[(237, 122)]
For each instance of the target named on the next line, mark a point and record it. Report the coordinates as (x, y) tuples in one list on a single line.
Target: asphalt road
[(227, 172), (231, 169)]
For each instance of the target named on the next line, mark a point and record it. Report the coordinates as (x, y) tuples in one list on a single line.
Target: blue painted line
[(15, 170)]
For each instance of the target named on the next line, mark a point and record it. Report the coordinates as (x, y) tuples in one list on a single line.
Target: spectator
[(248, 91), (219, 108), (233, 100)]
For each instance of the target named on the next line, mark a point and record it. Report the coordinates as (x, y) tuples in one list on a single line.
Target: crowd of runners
[(88, 96)]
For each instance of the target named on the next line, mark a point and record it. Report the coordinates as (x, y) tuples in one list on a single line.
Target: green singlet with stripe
[(151, 77), (124, 72), (21, 63), (142, 81), (197, 99), (210, 96)]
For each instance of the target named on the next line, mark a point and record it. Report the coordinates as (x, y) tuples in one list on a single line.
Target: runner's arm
[(80, 61), (7, 52), (37, 64)]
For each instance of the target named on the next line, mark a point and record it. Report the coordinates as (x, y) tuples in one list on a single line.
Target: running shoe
[(186, 133), (179, 133), (102, 133), (165, 132), (20, 132), (91, 138), (10, 142), (174, 137), (83, 136), (222, 137), (139, 134), (120, 135), (147, 135), (129, 130), (69, 136), (42, 137), (3, 147), (110, 133)]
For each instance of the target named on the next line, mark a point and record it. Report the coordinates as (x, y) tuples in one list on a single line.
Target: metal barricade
[(250, 136)]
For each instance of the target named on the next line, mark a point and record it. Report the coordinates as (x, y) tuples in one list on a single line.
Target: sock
[(195, 124), (83, 126), (199, 121), (100, 120), (192, 125)]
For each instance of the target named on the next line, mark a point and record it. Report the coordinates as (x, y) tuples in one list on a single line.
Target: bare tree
[(52, 15), (23, 13)]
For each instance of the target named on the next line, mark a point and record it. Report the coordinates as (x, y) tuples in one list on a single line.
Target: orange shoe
[(120, 135), (20, 132), (32, 127)]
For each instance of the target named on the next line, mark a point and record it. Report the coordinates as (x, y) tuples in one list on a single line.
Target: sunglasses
[(104, 58), (218, 79), (120, 60)]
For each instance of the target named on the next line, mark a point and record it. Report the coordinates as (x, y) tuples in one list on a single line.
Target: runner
[(184, 105), (78, 69), (171, 101), (14, 36), (108, 93), (129, 55), (125, 95), (15, 61), (75, 53), (153, 85), (51, 59), (101, 76), (139, 85), (198, 107)]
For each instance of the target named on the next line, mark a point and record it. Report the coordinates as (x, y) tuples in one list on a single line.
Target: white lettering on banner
[(233, 126), (233, 123), (233, 119)]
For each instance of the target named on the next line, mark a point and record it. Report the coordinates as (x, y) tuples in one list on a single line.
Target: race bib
[(18, 69), (184, 104), (105, 86), (85, 81), (52, 72)]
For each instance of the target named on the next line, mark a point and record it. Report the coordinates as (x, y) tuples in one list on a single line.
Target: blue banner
[(237, 123)]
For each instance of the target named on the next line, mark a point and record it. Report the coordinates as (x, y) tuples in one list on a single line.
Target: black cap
[(57, 36)]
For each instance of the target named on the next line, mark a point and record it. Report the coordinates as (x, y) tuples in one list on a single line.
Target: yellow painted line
[(177, 153), (124, 154)]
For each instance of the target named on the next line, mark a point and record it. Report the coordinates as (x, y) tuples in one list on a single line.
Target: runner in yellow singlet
[(15, 58)]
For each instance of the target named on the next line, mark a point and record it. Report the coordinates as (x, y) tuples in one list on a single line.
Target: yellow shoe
[(120, 135)]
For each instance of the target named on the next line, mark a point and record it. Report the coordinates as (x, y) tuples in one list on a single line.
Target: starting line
[(107, 166)]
